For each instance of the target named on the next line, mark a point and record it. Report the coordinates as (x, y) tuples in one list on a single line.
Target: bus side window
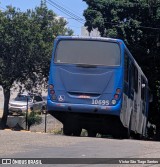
[(133, 76), (143, 89), (136, 79), (126, 67)]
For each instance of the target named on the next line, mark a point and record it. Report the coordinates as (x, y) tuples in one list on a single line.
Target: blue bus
[(96, 84)]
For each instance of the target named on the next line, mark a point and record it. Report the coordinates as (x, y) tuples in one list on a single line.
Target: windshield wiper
[(86, 66)]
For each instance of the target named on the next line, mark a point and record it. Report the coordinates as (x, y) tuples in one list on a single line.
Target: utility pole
[(27, 115)]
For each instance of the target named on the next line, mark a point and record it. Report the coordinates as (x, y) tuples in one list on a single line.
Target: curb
[(8, 129), (25, 131)]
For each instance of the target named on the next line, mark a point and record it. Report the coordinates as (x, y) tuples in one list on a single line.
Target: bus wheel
[(136, 136), (128, 135), (67, 130), (91, 133), (77, 132), (129, 132), (71, 129)]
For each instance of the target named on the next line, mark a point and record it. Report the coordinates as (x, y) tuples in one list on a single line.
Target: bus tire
[(136, 136), (77, 132), (67, 130), (71, 128), (129, 131), (91, 133), (128, 135)]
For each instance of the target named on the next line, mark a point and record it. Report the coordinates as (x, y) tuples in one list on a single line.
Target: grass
[(56, 131), (84, 133)]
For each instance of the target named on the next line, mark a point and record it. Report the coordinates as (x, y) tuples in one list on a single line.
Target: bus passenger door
[(143, 112), (131, 95), (139, 112)]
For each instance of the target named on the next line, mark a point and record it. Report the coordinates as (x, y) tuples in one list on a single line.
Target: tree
[(26, 43), (137, 22)]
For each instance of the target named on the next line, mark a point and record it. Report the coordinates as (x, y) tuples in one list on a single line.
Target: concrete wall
[(12, 121)]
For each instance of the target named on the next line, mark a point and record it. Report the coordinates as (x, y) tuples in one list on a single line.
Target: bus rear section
[(85, 85)]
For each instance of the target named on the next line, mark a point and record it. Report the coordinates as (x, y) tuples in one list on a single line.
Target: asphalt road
[(15, 144)]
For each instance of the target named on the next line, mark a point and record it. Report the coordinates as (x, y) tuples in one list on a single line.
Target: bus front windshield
[(88, 52)]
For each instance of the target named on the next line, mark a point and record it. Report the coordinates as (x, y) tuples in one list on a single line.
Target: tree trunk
[(28, 128), (3, 122)]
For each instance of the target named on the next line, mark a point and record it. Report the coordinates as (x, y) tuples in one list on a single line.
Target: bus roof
[(90, 38)]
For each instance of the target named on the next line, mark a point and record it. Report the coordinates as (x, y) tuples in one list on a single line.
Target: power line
[(118, 25), (81, 20), (152, 28), (75, 12), (65, 11)]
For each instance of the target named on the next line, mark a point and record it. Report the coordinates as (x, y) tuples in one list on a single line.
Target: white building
[(93, 33)]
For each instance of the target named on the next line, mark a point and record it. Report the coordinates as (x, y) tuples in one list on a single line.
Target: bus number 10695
[(100, 102)]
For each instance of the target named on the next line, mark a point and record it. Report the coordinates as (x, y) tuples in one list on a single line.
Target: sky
[(74, 6)]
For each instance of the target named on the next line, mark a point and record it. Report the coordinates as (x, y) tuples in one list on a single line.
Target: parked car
[(44, 98), (19, 104)]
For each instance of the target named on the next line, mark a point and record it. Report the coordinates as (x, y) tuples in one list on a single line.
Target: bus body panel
[(86, 92), (134, 111), (85, 86)]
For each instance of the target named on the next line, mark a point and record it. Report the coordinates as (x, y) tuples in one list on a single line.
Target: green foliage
[(26, 43), (33, 119), (138, 24)]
